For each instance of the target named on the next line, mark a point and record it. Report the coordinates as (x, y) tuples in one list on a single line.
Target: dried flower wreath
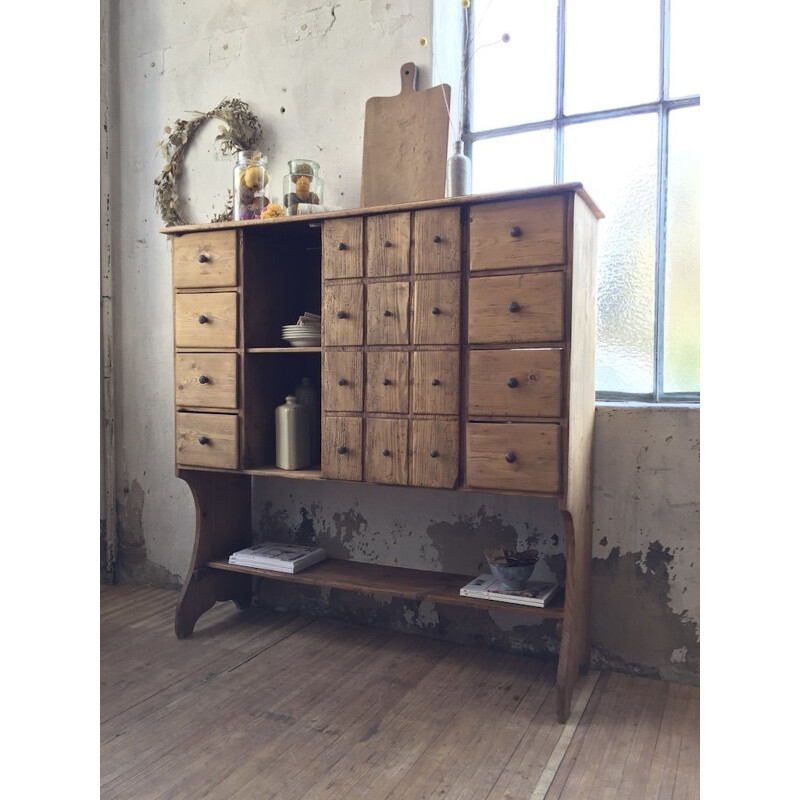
[(240, 132)]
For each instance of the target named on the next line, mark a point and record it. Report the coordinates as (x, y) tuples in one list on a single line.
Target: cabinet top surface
[(472, 199)]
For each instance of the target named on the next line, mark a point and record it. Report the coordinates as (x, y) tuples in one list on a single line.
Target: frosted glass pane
[(682, 297), (684, 49), (514, 82), (612, 54), (512, 162), (615, 160)]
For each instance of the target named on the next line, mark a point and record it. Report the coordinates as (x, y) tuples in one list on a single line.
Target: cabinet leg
[(222, 502)]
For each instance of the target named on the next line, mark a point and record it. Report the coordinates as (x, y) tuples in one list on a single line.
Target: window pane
[(612, 54), (514, 82), (512, 162), (682, 296), (684, 48), (615, 160)]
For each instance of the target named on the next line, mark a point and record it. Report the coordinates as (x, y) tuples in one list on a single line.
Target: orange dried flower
[(273, 210)]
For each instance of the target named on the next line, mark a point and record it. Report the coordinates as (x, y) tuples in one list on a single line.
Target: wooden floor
[(261, 704)]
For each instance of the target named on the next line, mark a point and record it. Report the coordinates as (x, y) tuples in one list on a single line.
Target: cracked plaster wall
[(307, 69)]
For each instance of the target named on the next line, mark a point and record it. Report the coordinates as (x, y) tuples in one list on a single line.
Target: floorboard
[(264, 704)]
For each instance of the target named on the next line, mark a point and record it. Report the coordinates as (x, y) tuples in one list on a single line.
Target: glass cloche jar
[(250, 179), (301, 185)]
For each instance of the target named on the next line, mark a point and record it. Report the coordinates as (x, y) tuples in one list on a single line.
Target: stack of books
[(278, 557), (487, 587)]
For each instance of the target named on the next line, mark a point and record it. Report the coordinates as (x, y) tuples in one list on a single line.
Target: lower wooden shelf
[(413, 584), (309, 474)]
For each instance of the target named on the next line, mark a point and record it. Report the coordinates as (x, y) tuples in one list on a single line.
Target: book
[(277, 556), (535, 593)]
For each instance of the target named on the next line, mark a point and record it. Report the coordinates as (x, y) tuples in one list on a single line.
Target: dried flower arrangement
[(240, 132)]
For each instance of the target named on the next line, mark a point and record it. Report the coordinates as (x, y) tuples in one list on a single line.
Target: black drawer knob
[(434, 454), (203, 257), (387, 243), (342, 382), (387, 382), (385, 452), (341, 314), (435, 311), (515, 232), (513, 306), (341, 246), (437, 238), (387, 313), (202, 319), (341, 449), (511, 457), (202, 379), (512, 383), (204, 440), (435, 382)]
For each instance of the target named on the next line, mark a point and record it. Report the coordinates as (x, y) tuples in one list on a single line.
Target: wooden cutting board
[(405, 144)]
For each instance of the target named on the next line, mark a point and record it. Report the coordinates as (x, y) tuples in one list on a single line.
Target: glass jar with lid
[(302, 184), (250, 179)]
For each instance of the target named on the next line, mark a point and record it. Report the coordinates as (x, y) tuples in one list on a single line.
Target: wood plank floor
[(263, 704)]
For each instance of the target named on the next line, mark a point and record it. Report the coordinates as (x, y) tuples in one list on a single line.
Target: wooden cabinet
[(457, 353)]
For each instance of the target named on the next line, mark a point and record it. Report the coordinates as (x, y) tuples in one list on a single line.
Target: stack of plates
[(307, 335)]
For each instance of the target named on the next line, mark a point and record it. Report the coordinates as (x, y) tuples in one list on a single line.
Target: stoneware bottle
[(292, 435), (458, 177), (308, 395)]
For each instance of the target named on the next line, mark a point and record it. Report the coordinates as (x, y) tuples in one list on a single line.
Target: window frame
[(662, 108)]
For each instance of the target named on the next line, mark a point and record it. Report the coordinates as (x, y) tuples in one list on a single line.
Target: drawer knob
[(387, 243), (202, 319), (434, 454), (341, 246), (341, 449), (342, 382), (202, 379), (435, 311), (203, 257), (437, 238), (387, 313), (204, 440), (512, 383), (435, 382), (387, 382), (386, 452), (513, 306), (515, 232), (511, 457), (341, 314)]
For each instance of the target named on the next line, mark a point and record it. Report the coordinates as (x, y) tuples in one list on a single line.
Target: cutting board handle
[(408, 78)]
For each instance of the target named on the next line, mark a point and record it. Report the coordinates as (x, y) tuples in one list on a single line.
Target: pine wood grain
[(434, 453), (435, 382), (221, 431), (388, 312), (342, 380), (388, 245), (343, 248), (204, 259), (386, 451), (387, 382), (218, 387), (437, 241), (437, 311), (219, 310), (345, 434), (342, 314)]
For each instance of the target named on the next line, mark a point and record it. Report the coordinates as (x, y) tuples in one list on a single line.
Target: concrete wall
[(307, 69)]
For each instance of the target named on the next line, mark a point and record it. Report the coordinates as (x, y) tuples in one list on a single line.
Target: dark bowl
[(512, 578)]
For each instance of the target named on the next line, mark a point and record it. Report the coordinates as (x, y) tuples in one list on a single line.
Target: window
[(607, 94)]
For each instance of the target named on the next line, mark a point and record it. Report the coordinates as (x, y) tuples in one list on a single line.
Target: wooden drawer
[(207, 440), (206, 319), (342, 314), (206, 380), (200, 260), (515, 383), (386, 451), (434, 453), (342, 381), (518, 456), (388, 240), (518, 233), (435, 381), (387, 382), (437, 311), (342, 448), (437, 240), (343, 248), (387, 313), (517, 308)]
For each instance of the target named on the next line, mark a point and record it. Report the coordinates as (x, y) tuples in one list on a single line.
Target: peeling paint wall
[(307, 70)]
